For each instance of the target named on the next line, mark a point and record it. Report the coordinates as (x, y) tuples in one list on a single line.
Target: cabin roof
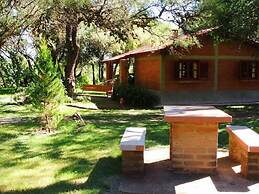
[(152, 49), (141, 50)]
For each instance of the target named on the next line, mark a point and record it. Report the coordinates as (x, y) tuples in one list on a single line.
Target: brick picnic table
[(194, 136)]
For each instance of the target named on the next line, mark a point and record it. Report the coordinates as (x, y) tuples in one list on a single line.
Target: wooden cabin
[(212, 73)]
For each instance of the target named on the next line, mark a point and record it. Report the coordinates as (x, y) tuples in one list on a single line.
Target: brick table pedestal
[(194, 137)]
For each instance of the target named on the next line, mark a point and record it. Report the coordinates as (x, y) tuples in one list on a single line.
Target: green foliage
[(235, 19), (81, 80), (14, 72), (135, 96), (15, 18), (47, 91), (158, 33)]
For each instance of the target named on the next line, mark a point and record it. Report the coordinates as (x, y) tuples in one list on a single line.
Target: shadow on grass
[(14, 108), (117, 121), (79, 166), (5, 136), (102, 102), (9, 130), (104, 169), (244, 112)]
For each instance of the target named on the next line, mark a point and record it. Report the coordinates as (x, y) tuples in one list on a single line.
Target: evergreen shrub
[(46, 91)]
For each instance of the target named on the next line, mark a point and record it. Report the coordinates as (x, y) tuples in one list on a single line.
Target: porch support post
[(124, 71), (216, 66), (108, 70), (162, 73)]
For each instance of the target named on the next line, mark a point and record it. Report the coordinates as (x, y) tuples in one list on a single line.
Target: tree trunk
[(102, 77), (72, 57), (99, 72), (93, 74), (114, 70)]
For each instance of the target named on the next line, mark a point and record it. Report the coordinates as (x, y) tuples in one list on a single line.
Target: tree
[(14, 70), (235, 19), (16, 17), (116, 17), (46, 91), (95, 44)]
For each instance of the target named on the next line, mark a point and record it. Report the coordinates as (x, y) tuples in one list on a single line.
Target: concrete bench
[(132, 146), (244, 148)]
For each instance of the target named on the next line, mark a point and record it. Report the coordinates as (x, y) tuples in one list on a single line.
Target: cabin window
[(248, 70), (191, 70)]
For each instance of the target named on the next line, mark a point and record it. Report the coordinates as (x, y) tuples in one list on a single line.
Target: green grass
[(7, 91), (71, 160), (247, 115), (79, 159)]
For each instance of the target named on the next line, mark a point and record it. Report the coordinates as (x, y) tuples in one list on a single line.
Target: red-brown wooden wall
[(148, 69)]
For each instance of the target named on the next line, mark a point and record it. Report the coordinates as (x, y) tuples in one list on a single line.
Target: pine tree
[(47, 91)]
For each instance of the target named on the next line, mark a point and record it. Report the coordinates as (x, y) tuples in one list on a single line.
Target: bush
[(14, 71), (135, 96), (82, 80)]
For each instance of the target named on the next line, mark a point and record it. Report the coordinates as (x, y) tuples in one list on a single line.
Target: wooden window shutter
[(204, 70), (240, 71), (177, 70), (255, 70), (243, 70), (248, 70)]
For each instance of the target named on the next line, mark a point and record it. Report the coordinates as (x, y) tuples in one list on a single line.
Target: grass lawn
[(72, 160), (79, 159)]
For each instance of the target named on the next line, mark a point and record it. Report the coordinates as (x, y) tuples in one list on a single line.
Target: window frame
[(192, 73), (248, 70)]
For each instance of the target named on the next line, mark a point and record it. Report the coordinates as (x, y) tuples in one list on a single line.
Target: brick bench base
[(249, 161), (132, 146), (241, 151), (132, 162)]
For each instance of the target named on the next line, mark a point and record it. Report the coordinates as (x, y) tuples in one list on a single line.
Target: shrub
[(135, 96), (82, 80), (46, 91)]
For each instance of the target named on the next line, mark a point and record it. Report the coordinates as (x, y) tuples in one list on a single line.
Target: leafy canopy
[(235, 19)]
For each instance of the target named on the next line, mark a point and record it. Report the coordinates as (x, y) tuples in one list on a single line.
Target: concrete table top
[(195, 114)]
